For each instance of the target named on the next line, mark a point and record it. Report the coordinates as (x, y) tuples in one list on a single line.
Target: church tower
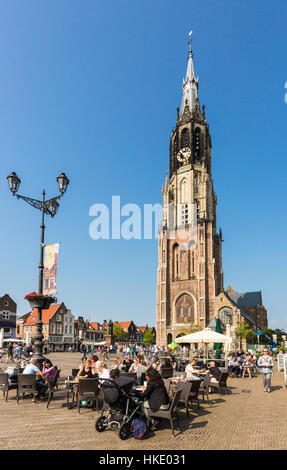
[(190, 272)]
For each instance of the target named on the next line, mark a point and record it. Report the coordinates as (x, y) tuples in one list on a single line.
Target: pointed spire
[(190, 84)]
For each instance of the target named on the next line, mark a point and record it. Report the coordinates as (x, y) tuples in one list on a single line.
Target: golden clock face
[(184, 154)]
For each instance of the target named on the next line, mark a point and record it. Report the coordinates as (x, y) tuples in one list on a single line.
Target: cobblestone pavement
[(247, 418)]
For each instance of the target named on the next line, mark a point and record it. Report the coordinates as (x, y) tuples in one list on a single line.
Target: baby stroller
[(121, 406)]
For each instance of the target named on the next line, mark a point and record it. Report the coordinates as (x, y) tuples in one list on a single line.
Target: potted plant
[(37, 300)]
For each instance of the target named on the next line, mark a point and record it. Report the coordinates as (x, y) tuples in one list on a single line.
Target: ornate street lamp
[(49, 207)]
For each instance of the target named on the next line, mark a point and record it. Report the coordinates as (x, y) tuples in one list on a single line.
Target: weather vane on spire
[(190, 40)]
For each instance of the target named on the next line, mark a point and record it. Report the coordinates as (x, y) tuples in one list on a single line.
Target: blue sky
[(91, 88)]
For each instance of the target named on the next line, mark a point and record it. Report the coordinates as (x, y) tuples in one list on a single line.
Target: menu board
[(285, 367), (280, 359)]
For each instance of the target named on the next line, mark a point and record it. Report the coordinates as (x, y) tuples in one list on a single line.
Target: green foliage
[(118, 332), (148, 337), (245, 331)]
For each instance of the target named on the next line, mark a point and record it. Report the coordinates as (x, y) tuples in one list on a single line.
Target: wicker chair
[(88, 390), (167, 414), (26, 384), (57, 392), (4, 385)]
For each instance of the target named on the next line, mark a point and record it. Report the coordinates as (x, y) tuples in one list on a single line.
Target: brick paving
[(240, 420)]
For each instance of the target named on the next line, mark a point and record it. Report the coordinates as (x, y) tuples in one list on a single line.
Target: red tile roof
[(95, 325), (46, 315), (124, 324)]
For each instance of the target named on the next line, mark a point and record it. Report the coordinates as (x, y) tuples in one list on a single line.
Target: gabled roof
[(124, 324), (247, 299), (24, 317), (47, 314), (96, 325)]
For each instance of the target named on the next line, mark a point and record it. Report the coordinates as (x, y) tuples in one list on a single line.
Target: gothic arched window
[(176, 266), (185, 140), (225, 315), (196, 143), (185, 309)]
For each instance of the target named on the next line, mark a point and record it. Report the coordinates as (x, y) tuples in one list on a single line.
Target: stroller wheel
[(101, 423), (124, 431)]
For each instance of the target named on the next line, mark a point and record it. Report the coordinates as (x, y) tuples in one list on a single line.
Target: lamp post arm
[(40, 204)]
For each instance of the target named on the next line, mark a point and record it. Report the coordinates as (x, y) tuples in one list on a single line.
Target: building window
[(225, 315), (58, 317), (6, 303), (185, 141), (196, 143), (59, 329), (5, 315), (52, 328)]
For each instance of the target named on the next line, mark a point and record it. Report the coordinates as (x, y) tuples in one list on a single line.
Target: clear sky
[(91, 88)]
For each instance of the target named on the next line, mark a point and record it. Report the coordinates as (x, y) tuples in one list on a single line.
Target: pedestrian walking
[(9, 353), (266, 363)]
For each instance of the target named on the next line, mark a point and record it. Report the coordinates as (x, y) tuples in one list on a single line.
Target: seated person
[(133, 367), (215, 372), (117, 363), (232, 366), (86, 369), (127, 364), (190, 370), (49, 370), (247, 366), (141, 372), (155, 395), (103, 372), (41, 385), (156, 365), (173, 362)]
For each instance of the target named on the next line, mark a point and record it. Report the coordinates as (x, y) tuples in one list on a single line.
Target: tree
[(118, 332), (148, 337), (244, 331)]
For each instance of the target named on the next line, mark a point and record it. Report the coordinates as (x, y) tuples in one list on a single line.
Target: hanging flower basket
[(37, 300)]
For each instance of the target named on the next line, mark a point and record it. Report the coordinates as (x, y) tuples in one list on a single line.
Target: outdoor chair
[(4, 385), (167, 385), (167, 372), (88, 390), (204, 387), (59, 392), (26, 384), (129, 374), (75, 372), (193, 395), (185, 388), (167, 414), (222, 383), (56, 378)]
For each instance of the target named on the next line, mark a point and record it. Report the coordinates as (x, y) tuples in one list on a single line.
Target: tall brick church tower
[(190, 272)]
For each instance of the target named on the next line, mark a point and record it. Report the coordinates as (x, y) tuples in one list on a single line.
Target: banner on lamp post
[(50, 268)]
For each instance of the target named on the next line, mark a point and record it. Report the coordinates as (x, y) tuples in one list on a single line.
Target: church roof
[(247, 299), (190, 84)]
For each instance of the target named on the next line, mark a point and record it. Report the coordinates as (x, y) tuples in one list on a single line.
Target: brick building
[(190, 289), (190, 274), (8, 311), (55, 320), (87, 332)]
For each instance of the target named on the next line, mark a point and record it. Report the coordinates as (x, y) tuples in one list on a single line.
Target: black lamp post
[(49, 207)]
